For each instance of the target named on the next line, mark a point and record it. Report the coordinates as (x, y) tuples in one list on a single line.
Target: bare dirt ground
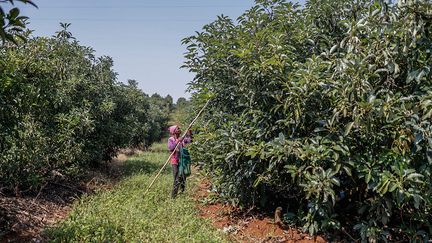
[(248, 226), (23, 217)]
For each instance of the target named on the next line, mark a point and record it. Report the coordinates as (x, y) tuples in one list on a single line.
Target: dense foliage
[(62, 110), (12, 23), (323, 109)]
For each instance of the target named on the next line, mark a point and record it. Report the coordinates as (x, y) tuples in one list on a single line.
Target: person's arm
[(187, 140), (172, 143)]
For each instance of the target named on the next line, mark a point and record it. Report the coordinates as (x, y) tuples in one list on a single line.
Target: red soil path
[(246, 227)]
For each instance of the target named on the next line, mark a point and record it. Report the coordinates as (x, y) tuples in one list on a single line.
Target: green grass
[(124, 215)]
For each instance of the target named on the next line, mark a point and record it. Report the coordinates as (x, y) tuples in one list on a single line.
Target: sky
[(142, 36)]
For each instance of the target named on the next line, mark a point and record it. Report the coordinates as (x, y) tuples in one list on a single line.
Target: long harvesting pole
[(172, 153)]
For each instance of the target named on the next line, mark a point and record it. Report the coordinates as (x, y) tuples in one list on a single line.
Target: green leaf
[(348, 128), (333, 49), (281, 137), (347, 170), (420, 75), (335, 181), (13, 13), (412, 75), (427, 115), (413, 176), (417, 199), (393, 187), (368, 177)]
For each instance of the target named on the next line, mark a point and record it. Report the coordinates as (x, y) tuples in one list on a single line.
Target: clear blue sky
[(142, 36)]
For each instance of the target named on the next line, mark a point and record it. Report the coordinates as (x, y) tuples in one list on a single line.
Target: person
[(173, 140)]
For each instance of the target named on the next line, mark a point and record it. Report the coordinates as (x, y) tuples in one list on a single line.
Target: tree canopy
[(324, 109)]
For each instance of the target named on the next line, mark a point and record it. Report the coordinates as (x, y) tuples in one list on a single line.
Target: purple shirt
[(172, 143)]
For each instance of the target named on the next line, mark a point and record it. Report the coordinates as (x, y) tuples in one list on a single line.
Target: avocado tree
[(12, 23), (323, 109), (62, 111)]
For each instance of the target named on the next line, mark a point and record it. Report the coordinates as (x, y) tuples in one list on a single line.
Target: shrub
[(62, 110), (324, 108)]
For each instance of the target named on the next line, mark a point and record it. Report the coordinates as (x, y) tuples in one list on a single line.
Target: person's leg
[(176, 182), (182, 183)]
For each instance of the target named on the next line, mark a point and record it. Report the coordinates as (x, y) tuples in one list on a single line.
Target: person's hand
[(179, 140)]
